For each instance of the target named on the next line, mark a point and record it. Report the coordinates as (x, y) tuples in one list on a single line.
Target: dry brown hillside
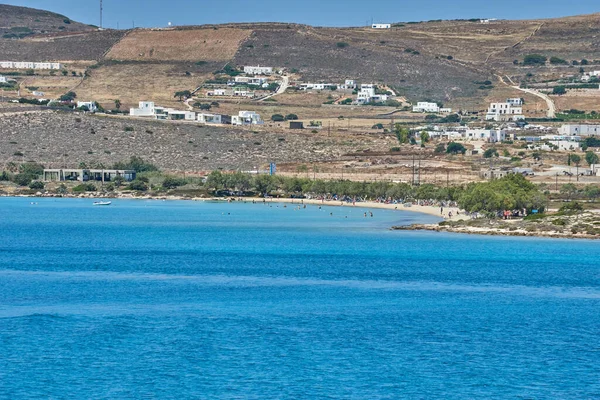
[(23, 21), (447, 61), (179, 45)]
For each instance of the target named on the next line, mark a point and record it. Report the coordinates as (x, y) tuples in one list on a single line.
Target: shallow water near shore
[(176, 299)]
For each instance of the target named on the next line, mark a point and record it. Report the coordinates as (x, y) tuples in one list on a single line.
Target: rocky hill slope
[(19, 22)]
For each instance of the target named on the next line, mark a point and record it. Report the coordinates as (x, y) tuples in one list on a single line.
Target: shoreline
[(495, 232), (428, 210)]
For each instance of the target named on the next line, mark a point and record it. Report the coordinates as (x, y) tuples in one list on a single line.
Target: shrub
[(559, 90), (172, 182), (277, 118), (22, 179), (342, 45), (291, 117), (85, 187), (534, 59), (129, 129), (36, 185), (558, 61), (455, 148), (138, 185)]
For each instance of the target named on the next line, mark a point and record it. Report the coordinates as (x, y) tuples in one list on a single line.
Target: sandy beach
[(457, 214)]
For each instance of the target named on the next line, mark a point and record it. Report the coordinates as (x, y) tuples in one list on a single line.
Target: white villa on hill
[(90, 105), (258, 70), (247, 118), (425, 107), (502, 112), (148, 109), (381, 26)]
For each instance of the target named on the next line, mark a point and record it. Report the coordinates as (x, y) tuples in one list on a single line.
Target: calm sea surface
[(153, 299)]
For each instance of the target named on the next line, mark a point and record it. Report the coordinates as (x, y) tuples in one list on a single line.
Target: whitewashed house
[(501, 112), (209, 118), (445, 110), (247, 118), (515, 101), (145, 109), (3, 79), (595, 73), (425, 107), (585, 78), (90, 105), (381, 26), (349, 84), (219, 92), (579, 130), (258, 70), (251, 80), (180, 115)]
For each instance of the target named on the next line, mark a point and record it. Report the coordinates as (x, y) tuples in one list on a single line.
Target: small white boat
[(102, 203)]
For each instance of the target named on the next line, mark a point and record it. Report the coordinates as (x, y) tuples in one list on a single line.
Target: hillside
[(18, 22), (447, 61)]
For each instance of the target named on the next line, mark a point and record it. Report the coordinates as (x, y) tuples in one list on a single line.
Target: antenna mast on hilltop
[(100, 14)]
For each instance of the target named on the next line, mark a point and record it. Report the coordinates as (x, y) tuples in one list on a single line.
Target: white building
[(90, 105), (515, 101), (349, 84), (446, 110), (251, 80), (381, 26), (258, 70), (149, 109), (37, 93), (29, 65), (219, 92), (585, 78), (579, 130), (595, 73), (315, 86), (504, 112), (247, 118), (145, 109), (3, 79), (243, 93), (209, 118), (180, 115), (423, 106)]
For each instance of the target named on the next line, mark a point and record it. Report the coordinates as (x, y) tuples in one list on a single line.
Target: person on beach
[(441, 210)]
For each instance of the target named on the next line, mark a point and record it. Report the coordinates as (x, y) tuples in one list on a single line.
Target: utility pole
[(101, 10)]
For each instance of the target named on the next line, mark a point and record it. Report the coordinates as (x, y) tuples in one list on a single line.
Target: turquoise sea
[(154, 299)]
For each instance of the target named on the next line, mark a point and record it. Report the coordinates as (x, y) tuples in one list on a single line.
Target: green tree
[(183, 94), (455, 148), (36, 185), (137, 164), (118, 104), (291, 117), (424, 137), (172, 182), (68, 97), (402, 134), (559, 90), (277, 118), (591, 158), (491, 152)]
